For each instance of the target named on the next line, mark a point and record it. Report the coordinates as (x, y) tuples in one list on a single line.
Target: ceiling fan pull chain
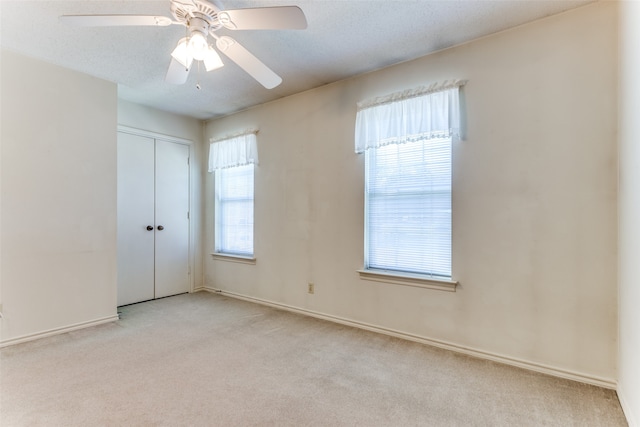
[(186, 51), (198, 81)]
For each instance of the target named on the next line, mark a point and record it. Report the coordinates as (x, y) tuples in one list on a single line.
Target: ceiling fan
[(203, 19)]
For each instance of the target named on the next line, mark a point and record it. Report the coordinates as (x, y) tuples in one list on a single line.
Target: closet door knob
[(160, 228), (149, 227)]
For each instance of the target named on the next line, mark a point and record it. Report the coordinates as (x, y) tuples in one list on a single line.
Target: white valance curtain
[(413, 115), (236, 150)]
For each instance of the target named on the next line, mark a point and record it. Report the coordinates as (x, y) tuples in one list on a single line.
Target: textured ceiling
[(344, 38)]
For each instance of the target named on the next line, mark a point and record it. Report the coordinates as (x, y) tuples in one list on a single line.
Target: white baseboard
[(520, 363), (57, 331), (626, 408)]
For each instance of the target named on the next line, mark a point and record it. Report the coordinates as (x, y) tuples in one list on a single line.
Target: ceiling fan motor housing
[(198, 24), (189, 11)]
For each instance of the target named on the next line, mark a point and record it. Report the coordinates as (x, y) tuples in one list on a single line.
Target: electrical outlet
[(311, 288)]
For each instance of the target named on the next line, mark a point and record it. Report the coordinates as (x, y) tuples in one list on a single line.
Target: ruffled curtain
[(414, 115), (237, 150)]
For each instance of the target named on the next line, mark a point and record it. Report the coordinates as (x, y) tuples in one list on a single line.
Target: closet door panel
[(135, 214), (172, 222)]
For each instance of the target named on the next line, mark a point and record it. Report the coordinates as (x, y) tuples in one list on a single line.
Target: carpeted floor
[(208, 360)]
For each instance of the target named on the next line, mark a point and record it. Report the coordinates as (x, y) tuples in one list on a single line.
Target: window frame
[(220, 251), (400, 276)]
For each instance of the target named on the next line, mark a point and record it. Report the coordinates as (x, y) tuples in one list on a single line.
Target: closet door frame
[(189, 143)]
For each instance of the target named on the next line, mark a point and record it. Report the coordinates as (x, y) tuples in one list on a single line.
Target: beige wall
[(629, 213), (164, 123), (58, 229), (534, 182)]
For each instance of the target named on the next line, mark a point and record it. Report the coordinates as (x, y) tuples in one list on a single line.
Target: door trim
[(192, 178), (155, 135)]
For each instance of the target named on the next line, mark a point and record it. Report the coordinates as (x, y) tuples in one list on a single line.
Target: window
[(407, 137), (233, 159), (408, 207), (234, 210)]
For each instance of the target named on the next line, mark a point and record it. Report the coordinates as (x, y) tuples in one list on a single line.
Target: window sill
[(234, 258), (408, 279)]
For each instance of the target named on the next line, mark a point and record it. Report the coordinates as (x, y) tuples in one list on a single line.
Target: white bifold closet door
[(153, 218)]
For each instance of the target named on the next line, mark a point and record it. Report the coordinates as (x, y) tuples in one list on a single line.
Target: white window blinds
[(408, 207), (234, 210)]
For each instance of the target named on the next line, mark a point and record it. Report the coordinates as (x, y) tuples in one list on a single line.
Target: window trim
[(438, 102), (223, 256), (231, 256), (408, 279), (415, 278)]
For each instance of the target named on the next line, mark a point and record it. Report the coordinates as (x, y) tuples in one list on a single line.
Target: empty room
[(322, 213)]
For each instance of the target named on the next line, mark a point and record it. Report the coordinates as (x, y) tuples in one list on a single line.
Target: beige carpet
[(208, 360)]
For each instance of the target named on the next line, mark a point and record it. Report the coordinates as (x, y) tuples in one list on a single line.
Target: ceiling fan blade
[(177, 73), (114, 20), (245, 59), (264, 18)]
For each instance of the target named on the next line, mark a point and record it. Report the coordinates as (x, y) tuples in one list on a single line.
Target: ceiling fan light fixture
[(182, 54), (198, 45), (212, 60)]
